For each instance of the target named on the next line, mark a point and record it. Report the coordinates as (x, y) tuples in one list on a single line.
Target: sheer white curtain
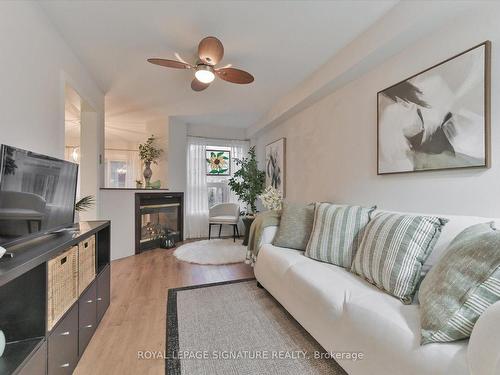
[(196, 190)]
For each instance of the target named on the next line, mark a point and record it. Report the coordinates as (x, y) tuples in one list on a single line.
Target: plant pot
[(247, 220), (147, 172)]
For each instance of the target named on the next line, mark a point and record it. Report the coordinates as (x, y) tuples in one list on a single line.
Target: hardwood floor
[(136, 318)]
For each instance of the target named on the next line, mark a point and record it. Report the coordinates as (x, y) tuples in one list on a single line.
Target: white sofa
[(346, 314)]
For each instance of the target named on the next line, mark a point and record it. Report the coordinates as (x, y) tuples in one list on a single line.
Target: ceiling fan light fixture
[(204, 73)]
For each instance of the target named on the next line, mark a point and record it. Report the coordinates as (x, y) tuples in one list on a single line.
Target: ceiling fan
[(210, 52)]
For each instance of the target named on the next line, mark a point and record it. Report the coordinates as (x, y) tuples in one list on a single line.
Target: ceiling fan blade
[(210, 50), (170, 63), (198, 86), (179, 58), (234, 75)]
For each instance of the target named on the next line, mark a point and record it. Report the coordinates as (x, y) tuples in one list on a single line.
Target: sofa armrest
[(484, 343), (268, 235)]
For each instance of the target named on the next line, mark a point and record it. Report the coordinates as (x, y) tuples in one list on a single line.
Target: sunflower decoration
[(218, 162)]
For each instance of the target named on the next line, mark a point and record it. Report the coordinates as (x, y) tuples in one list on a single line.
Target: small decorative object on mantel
[(275, 165), (138, 184), (2, 342), (218, 162), (439, 118), (149, 154), (155, 185), (271, 198)]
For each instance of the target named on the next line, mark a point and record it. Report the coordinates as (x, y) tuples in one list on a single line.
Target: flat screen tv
[(37, 194)]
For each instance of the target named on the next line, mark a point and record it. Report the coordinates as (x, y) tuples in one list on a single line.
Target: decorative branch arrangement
[(148, 152)]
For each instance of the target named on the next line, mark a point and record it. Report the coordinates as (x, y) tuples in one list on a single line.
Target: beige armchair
[(224, 214)]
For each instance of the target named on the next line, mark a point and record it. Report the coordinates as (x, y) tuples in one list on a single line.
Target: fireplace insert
[(158, 220)]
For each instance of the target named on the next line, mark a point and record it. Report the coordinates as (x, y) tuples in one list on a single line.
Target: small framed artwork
[(275, 165), (439, 118), (218, 162)]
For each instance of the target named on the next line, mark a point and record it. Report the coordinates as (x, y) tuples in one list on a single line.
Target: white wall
[(215, 131), (177, 161), (119, 207), (331, 145), (90, 147), (35, 64), (159, 128)]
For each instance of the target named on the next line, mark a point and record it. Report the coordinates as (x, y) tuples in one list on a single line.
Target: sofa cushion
[(462, 285), (344, 313), (453, 227), (323, 286), (295, 226), (393, 250), (337, 233), (388, 332), (278, 260)]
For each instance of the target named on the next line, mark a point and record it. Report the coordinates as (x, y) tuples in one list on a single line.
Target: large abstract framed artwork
[(275, 165), (218, 162), (439, 118)]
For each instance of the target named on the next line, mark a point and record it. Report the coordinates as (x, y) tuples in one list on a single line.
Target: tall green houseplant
[(248, 182)]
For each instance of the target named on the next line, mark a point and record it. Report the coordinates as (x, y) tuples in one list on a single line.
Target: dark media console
[(34, 348)]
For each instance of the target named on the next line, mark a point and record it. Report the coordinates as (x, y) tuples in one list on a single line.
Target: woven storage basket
[(86, 263), (62, 283)]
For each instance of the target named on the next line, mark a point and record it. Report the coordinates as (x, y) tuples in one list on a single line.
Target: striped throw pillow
[(393, 250), (461, 286), (337, 232)]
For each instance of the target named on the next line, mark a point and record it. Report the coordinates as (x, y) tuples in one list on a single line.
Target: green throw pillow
[(337, 233), (464, 283), (295, 226), (393, 250)]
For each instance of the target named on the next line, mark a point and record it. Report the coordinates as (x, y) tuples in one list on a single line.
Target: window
[(122, 168), (117, 173), (218, 191), (202, 190), (217, 186)]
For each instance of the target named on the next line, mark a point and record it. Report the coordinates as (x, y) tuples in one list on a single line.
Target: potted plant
[(149, 154), (248, 182), (85, 203)]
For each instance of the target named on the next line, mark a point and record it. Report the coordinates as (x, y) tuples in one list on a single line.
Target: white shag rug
[(218, 251)]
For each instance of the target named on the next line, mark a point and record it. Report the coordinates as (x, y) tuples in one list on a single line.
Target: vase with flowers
[(149, 153)]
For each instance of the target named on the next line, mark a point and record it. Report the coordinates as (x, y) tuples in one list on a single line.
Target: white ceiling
[(279, 42)]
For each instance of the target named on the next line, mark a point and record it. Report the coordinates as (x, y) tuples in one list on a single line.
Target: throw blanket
[(262, 220)]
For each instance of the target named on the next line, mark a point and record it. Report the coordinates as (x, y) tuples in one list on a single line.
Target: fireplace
[(158, 220)]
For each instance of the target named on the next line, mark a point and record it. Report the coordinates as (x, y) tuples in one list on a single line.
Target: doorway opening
[(82, 146)]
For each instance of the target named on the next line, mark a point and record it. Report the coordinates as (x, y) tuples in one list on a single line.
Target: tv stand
[(71, 229), (32, 348)]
